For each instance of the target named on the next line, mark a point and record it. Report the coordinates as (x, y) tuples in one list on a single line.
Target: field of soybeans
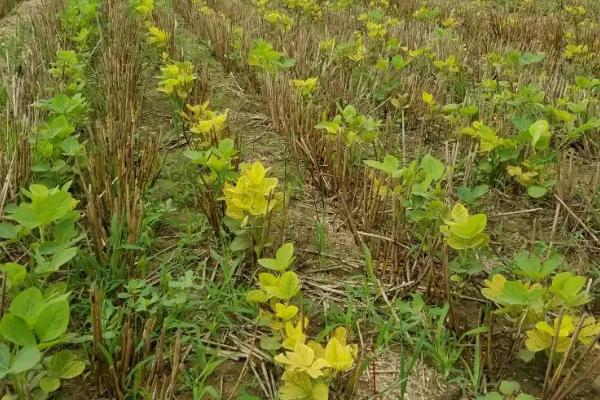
[(300, 199)]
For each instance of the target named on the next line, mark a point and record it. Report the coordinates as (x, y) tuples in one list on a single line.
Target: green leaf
[(398, 62), (46, 207), (533, 268), (470, 228), (65, 365), (57, 127), (469, 196), (579, 107), (52, 321), (270, 343), (25, 359), (27, 305), (540, 134), (288, 285), (285, 255), (331, 127), (267, 279), (16, 330), (390, 165), (569, 289), (516, 293), (246, 396), (70, 146), (536, 191), (49, 384), (240, 243), (508, 387), (524, 396), (526, 355), (433, 168), (529, 58), (283, 258), (9, 231), (61, 257), (15, 273), (256, 296), (493, 396), (4, 360)]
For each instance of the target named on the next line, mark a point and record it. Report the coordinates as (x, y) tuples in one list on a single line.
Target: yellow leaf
[(428, 98), (317, 348), (566, 327), (541, 336), (293, 335), (285, 312), (256, 296), (302, 359), (338, 356), (340, 334), (537, 340), (589, 330), (494, 287), (299, 386)]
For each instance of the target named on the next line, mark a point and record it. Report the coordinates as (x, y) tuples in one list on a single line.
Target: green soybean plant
[(35, 323)]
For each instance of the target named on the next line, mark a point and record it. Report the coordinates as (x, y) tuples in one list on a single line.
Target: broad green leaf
[(493, 396), (52, 321), (16, 330), (333, 128), (471, 227), (243, 396), (536, 191), (533, 268), (70, 146), (528, 58), (579, 107), (296, 386), (569, 289), (27, 305), (46, 207), (398, 62), (433, 168), (294, 334), (61, 257), (9, 231), (288, 285), (285, 254), (240, 243), (25, 359), (516, 293), (49, 384), (540, 134), (270, 343), (526, 355), (589, 330), (65, 365), (390, 165), (524, 396), (508, 387), (283, 259), (469, 195), (459, 213), (15, 273)]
